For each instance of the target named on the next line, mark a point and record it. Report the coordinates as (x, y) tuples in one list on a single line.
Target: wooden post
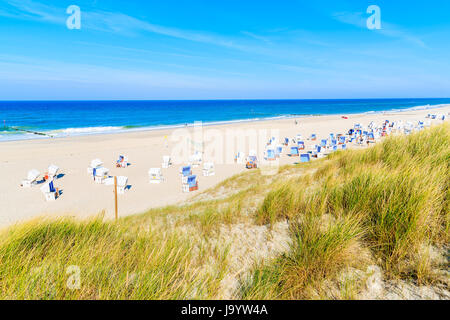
[(115, 197)]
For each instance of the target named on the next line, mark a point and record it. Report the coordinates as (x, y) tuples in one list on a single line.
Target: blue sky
[(231, 49)]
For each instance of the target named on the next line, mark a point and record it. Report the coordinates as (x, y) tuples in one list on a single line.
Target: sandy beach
[(82, 197)]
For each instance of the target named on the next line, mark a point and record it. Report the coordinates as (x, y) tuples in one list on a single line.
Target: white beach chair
[(155, 175), (49, 191), (166, 162), (31, 178), (195, 159), (100, 174), (52, 172), (96, 163), (122, 183), (208, 169)]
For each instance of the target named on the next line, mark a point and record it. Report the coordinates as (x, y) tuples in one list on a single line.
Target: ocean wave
[(85, 130), (426, 107), (416, 108), (4, 132)]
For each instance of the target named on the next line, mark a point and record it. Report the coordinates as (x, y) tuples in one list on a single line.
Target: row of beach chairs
[(357, 135), (189, 182)]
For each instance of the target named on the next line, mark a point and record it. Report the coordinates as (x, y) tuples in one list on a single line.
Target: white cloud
[(388, 29), (109, 22), (256, 36)]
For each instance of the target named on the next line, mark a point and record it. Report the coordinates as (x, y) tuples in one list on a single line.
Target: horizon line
[(223, 99)]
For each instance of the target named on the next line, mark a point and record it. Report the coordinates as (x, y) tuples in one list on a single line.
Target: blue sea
[(25, 119)]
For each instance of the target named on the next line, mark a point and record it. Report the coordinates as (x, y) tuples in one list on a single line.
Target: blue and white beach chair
[(270, 154), (186, 171), (96, 163), (49, 191), (294, 152), (304, 157), (100, 174), (278, 151), (191, 184)]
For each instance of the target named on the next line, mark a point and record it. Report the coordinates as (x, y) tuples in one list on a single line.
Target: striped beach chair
[(304, 157)]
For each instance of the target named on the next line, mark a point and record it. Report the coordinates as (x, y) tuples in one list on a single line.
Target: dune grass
[(384, 205), (36, 261), (392, 199)]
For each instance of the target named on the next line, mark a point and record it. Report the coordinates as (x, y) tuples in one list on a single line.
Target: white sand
[(82, 197)]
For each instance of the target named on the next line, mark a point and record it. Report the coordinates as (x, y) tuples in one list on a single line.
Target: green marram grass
[(114, 263), (391, 199)]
